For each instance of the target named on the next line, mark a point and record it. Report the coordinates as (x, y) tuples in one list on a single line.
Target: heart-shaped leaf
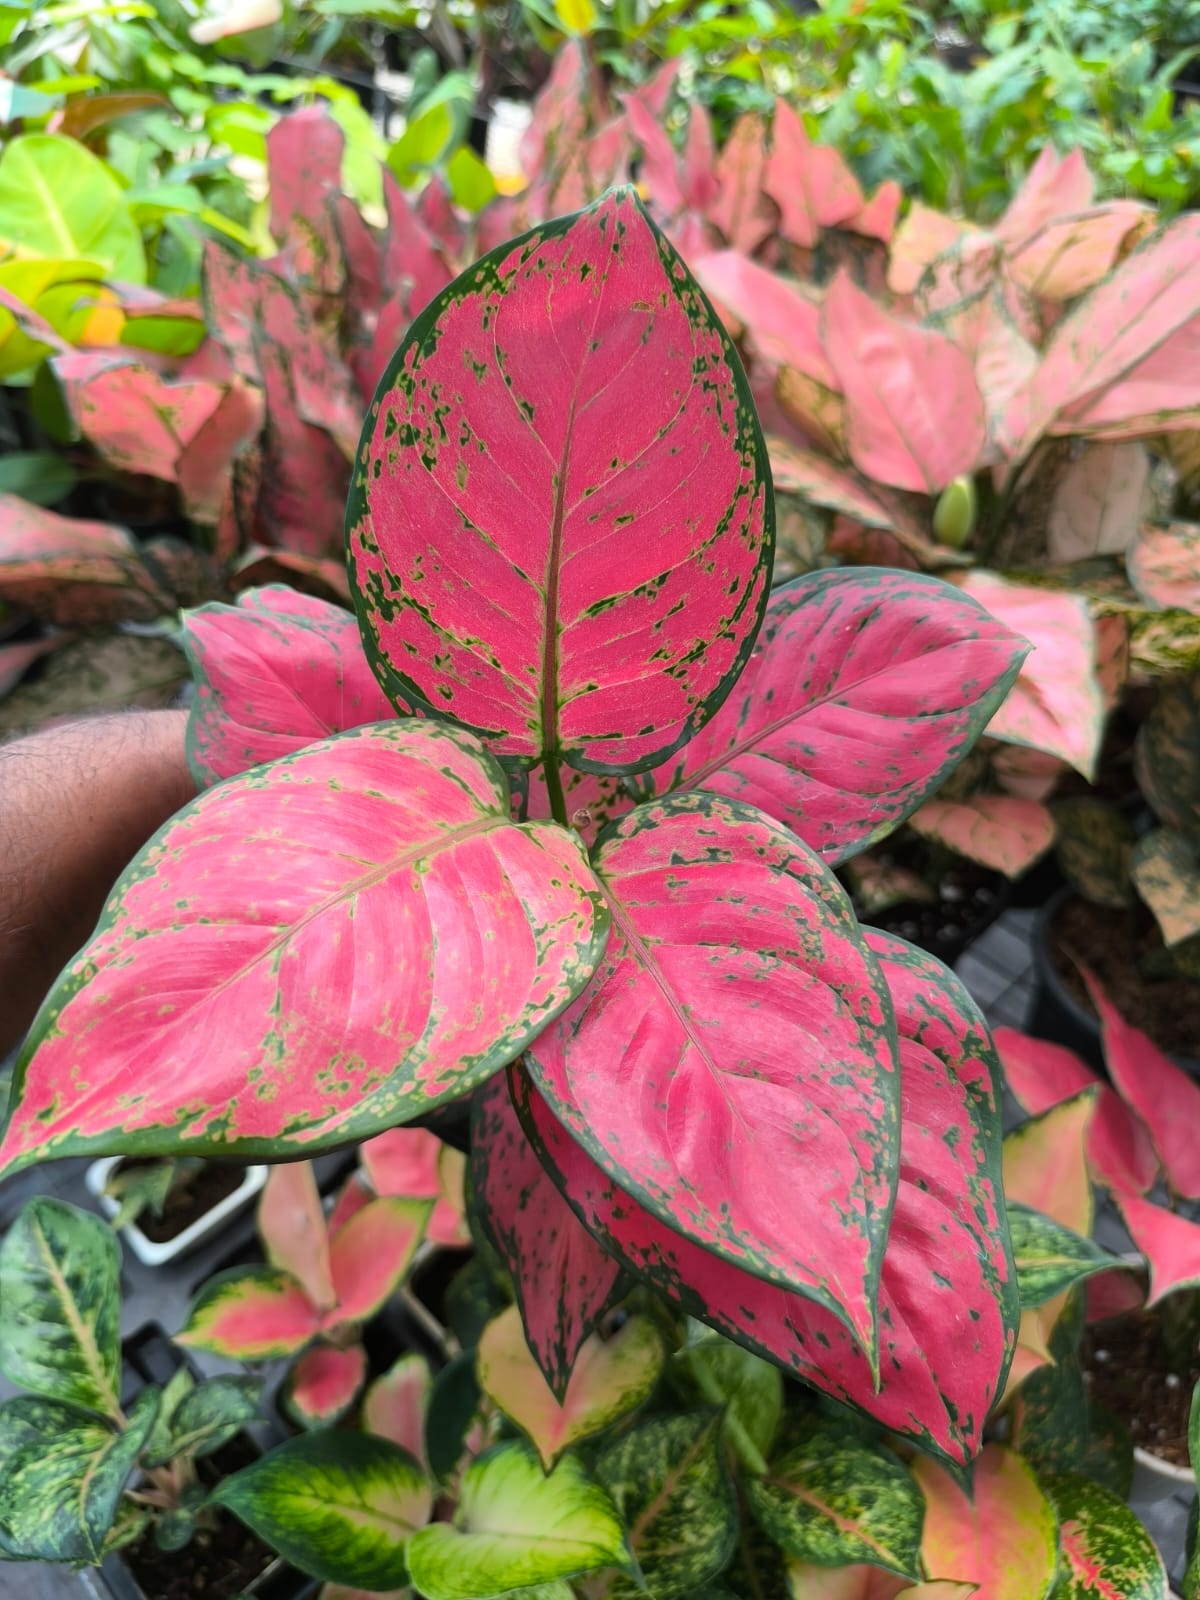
[(1050, 1258), (833, 1498), (323, 1384), (561, 1276), (503, 445), (1105, 1549), (728, 935), (669, 1482), (274, 673), (1003, 1537), (398, 848), (339, 1505), (516, 1527), (610, 1377), (60, 1306), (845, 660)]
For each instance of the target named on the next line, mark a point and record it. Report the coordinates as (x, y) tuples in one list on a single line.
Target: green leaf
[(1105, 1551), (453, 1407), (516, 1527), (207, 1417), (423, 143), (721, 1373), (1108, 1458), (835, 1499), (41, 476), (668, 1480), (60, 1491), (1094, 846), (60, 1306), (1049, 1257), (338, 1505), (59, 200), (471, 184), (1049, 1412)]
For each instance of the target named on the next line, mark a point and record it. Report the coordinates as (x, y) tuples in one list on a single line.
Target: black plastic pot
[(114, 1581)]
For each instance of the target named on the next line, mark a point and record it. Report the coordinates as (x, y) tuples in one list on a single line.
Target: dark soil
[(1112, 944), (222, 1560), (1127, 1368), (189, 1202), (970, 898)]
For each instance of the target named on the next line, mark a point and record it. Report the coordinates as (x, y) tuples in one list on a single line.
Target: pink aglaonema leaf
[(943, 1272), (1002, 1536), (1056, 704), (591, 800), (1169, 1242), (1041, 1075), (324, 1383), (914, 413), (304, 165), (824, 483), (1068, 255), (562, 1277), (999, 831), (1155, 395), (370, 1254), (1099, 502), (914, 687), (137, 419), (1045, 1163), (739, 209), (412, 1163), (503, 445), (289, 898), (1113, 1294), (1165, 1098), (394, 1406), (311, 575), (1163, 564), (1055, 186), (205, 466), (291, 1225), (876, 218), (74, 573), (810, 183), (251, 1314), (274, 673), (784, 323), (350, 1199), (725, 931), (921, 238)]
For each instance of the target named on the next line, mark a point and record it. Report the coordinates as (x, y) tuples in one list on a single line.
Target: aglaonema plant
[(592, 846)]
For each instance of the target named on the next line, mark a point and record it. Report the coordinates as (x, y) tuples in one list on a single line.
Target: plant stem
[(743, 1445), (554, 789)]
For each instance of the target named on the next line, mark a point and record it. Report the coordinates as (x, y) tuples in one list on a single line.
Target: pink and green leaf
[(323, 1384), (398, 852), (562, 1278), (810, 183), (291, 1225), (71, 572), (1163, 564), (782, 320), (1068, 255), (1003, 1536), (254, 1314), (1166, 870), (1055, 186), (824, 483), (370, 1255), (1106, 1553), (395, 1405), (414, 1164), (1045, 1163), (999, 831), (502, 445), (739, 209), (1169, 1242)]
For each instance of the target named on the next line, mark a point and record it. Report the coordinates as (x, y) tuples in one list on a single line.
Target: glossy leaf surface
[(865, 689), (1106, 1552), (338, 1505), (503, 465), (253, 1314), (516, 1527), (610, 1378), (278, 671), (1003, 1538), (727, 936), (561, 1277), (261, 1050), (1049, 1258), (60, 1306)]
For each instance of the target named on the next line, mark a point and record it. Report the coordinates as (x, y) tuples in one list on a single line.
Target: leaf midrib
[(87, 1345)]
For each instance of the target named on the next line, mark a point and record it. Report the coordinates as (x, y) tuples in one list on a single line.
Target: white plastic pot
[(1158, 1480), (152, 1254)]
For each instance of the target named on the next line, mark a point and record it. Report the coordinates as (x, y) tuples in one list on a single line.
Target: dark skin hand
[(77, 802)]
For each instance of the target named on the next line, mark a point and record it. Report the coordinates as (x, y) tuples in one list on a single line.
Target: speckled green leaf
[(1105, 1553), (1108, 1458), (1190, 1586), (1094, 847), (60, 1306), (1167, 756), (60, 1490), (1166, 869), (668, 1480), (1049, 1257), (1048, 1417), (516, 1527), (834, 1498), (713, 1369), (207, 1417), (338, 1505)]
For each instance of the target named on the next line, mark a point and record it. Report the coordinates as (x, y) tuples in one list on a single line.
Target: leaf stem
[(743, 1445), (554, 790)]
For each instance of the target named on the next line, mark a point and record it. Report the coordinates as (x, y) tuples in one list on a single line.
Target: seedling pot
[(153, 1253)]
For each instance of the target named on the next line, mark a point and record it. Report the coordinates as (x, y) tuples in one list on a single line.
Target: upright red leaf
[(946, 1298), (205, 466), (270, 917), (291, 1226), (784, 323), (274, 673), (1169, 1242), (562, 1277), (810, 183), (914, 414), (71, 572), (304, 168), (729, 938), (852, 661), (1053, 187), (739, 209), (503, 467)]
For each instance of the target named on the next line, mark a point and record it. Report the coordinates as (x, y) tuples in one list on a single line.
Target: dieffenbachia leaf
[(728, 935), (669, 1482), (1003, 1536), (946, 1252), (610, 1377), (749, 1389), (833, 1498), (60, 1306), (323, 1384), (1106, 1552), (516, 1527), (504, 465), (339, 1505), (1050, 1258), (207, 1416), (561, 1276), (274, 673), (865, 689), (60, 1489), (290, 1032)]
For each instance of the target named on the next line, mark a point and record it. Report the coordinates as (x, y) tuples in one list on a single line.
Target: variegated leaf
[(1167, 758), (1106, 1552), (999, 831), (1094, 848), (1163, 564), (291, 1225), (1166, 869), (810, 183), (394, 1406), (265, 1052), (1003, 1537), (1050, 1258), (507, 406), (73, 573), (323, 1384), (251, 1314)]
